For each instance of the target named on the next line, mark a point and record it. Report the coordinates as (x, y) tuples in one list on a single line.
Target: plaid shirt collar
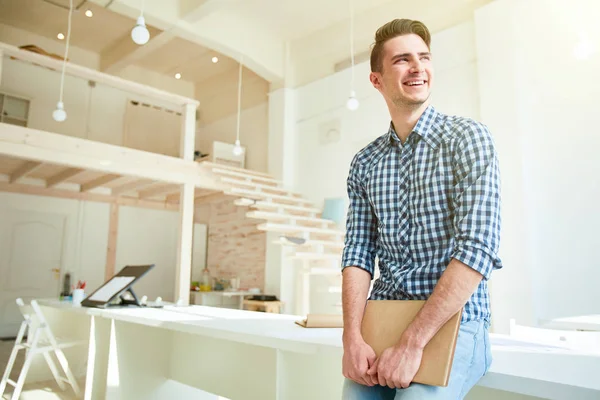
[(425, 129)]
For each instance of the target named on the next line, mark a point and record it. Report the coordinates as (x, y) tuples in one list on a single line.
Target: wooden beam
[(102, 180), (96, 76), (27, 168), (184, 245), (69, 194), (1, 62), (168, 189), (131, 186), (111, 249), (63, 176), (69, 151)]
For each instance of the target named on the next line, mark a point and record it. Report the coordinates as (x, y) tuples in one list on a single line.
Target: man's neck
[(405, 119)]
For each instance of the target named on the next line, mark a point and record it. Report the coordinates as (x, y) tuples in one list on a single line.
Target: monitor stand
[(126, 302)]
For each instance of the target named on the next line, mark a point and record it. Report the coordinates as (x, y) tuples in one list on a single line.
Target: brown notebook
[(322, 321), (385, 321)]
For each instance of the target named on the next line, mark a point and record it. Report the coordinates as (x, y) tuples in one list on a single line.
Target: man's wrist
[(351, 335), (413, 339)]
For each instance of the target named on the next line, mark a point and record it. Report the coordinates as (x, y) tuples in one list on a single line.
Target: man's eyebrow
[(423, 53)]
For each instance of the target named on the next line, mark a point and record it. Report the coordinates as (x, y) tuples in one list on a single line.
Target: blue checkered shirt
[(415, 206)]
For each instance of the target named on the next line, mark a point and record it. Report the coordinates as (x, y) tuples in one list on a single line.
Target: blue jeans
[(472, 359)]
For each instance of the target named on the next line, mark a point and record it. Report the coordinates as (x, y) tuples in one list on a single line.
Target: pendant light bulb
[(59, 115), (140, 33), (237, 149), (352, 103)]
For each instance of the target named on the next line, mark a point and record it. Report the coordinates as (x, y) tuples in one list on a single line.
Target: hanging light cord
[(352, 43), (239, 105), (142, 9), (62, 76)]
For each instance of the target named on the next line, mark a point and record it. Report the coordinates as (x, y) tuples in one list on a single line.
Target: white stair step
[(264, 205), (298, 229), (307, 244), (315, 256), (265, 180), (282, 217), (247, 172), (258, 187), (263, 196)]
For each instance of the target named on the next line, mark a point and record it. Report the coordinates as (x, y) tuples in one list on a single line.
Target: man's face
[(407, 74)]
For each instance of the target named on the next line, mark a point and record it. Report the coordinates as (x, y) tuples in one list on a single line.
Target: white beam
[(36, 145), (125, 52), (194, 10), (184, 245)]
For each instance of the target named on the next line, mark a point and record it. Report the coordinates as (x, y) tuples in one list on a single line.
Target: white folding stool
[(40, 339)]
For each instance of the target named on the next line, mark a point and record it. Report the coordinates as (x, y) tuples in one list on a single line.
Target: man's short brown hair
[(392, 29)]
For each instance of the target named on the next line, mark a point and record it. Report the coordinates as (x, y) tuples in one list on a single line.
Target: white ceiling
[(292, 19)]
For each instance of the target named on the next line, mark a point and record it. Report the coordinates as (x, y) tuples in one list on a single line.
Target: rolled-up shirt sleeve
[(476, 201), (361, 225)]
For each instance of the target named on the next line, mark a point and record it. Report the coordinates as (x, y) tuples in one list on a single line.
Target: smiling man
[(425, 200)]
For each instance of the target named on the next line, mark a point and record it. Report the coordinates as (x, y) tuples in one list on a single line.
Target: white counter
[(249, 355)]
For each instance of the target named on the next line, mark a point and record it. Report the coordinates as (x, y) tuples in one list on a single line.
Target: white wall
[(541, 102), (254, 135)]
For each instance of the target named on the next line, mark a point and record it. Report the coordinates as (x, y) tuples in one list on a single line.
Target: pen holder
[(78, 296)]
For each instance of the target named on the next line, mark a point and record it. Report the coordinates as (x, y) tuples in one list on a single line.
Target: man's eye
[(403, 59), (426, 58)]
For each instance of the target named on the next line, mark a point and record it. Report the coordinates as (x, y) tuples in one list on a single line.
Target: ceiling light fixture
[(352, 102), (60, 36), (178, 76), (215, 60), (59, 115), (140, 33), (89, 13), (238, 150)]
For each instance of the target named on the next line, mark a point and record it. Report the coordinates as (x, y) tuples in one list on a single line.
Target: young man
[(424, 199)]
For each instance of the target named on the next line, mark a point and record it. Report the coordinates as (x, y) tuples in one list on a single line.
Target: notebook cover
[(384, 322), (322, 321)]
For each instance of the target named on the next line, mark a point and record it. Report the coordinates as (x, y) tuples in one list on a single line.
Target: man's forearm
[(355, 289), (453, 290)]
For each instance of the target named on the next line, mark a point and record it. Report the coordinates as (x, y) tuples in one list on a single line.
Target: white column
[(280, 273), (282, 138), (186, 210)]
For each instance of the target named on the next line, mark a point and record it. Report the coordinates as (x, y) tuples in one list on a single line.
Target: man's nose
[(416, 66)]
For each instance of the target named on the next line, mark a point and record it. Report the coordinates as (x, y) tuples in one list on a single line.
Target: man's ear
[(375, 79)]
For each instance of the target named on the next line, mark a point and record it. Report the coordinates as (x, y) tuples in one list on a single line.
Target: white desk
[(579, 323), (152, 353)]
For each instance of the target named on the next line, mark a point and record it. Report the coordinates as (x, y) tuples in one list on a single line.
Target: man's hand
[(397, 365), (358, 357)]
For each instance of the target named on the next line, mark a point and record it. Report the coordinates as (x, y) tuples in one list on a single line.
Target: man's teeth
[(416, 83)]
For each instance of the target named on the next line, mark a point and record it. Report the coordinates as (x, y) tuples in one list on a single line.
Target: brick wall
[(235, 247)]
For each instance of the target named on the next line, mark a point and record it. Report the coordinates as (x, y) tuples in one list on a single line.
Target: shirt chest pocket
[(431, 195)]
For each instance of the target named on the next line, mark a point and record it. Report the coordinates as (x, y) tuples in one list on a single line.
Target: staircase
[(303, 232)]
